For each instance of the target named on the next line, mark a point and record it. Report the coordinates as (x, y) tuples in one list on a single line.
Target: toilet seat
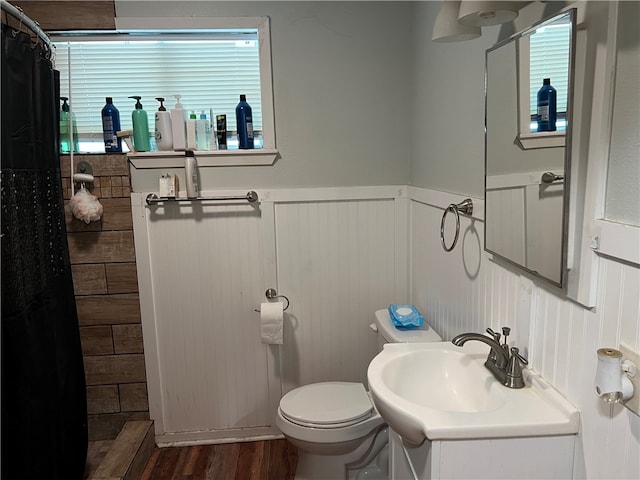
[(327, 405)]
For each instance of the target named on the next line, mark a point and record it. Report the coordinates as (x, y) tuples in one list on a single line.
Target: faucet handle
[(495, 335), (514, 378), (515, 352)]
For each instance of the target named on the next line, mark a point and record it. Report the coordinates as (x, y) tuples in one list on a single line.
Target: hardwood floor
[(265, 460)]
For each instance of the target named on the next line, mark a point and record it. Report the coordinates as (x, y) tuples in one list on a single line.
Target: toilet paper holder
[(271, 294)]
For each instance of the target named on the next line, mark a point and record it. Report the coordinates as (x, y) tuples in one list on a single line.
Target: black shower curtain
[(44, 412)]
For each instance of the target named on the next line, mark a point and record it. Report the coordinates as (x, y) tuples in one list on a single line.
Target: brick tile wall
[(106, 288)]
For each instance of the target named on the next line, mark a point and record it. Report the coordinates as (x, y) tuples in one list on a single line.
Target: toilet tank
[(389, 333)]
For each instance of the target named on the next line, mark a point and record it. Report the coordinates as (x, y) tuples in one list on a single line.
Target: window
[(209, 63), (549, 58)]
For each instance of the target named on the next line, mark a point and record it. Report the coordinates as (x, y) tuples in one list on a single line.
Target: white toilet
[(338, 432)]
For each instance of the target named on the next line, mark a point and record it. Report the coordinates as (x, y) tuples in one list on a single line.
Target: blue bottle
[(111, 127), (244, 122), (547, 107)]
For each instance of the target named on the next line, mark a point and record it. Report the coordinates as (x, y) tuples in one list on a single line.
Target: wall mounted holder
[(272, 294), (466, 208), (614, 376)]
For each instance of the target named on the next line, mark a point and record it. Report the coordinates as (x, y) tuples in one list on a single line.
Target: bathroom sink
[(441, 391), (447, 380)]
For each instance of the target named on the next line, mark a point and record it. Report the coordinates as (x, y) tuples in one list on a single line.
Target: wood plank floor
[(265, 460)]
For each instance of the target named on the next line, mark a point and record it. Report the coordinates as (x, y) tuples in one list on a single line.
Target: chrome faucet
[(505, 364)]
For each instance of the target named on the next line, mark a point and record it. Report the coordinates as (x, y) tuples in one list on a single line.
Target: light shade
[(448, 29), (483, 14)]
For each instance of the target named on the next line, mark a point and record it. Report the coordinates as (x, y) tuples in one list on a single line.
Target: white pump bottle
[(164, 129), (178, 126)]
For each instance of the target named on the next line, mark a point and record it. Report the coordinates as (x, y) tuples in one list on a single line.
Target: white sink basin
[(440, 391), (447, 380)]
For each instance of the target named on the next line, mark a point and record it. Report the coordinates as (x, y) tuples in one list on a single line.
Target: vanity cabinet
[(494, 458)]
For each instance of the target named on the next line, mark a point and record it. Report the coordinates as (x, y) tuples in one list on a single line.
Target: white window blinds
[(209, 70), (549, 58)]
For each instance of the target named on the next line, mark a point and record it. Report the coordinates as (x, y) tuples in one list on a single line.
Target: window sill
[(529, 141), (215, 158)]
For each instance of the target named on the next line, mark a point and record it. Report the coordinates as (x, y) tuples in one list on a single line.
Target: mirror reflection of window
[(549, 58)]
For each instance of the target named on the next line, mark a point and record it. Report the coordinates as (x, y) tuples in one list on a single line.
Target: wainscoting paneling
[(466, 290), (336, 264), (206, 271), (202, 271), (334, 253)]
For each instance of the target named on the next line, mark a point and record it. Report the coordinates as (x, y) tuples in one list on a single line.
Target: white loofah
[(85, 206)]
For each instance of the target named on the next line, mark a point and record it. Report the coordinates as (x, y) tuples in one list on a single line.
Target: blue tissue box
[(405, 316)]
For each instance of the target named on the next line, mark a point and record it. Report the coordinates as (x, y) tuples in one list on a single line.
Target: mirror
[(526, 170)]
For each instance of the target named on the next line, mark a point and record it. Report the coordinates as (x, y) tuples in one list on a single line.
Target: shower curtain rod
[(20, 15)]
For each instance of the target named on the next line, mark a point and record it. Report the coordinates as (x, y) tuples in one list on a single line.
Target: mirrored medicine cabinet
[(526, 171)]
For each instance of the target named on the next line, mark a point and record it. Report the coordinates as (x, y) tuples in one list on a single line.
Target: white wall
[(340, 76)]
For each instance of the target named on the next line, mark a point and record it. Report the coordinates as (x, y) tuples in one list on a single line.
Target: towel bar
[(153, 199)]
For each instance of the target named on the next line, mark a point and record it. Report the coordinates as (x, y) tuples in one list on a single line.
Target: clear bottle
[(111, 127), (141, 140), (68, 126), (244, 123), (203, 132), (191, 131), (178, 129), (547, 107)]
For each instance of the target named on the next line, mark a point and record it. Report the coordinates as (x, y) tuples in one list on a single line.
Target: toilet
[(338, 432)]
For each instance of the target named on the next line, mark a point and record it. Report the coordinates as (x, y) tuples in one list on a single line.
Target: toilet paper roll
[(271, 322)]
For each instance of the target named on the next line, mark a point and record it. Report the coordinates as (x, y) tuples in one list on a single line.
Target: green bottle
[(67, 118), (140, 127)]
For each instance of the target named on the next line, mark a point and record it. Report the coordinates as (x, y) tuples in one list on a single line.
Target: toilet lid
[(327, 403)]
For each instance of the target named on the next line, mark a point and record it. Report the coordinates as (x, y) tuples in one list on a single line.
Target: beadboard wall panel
[(448, 287), (336, 258), (210, 367), (335, 262), (460, 292), (333, 252)]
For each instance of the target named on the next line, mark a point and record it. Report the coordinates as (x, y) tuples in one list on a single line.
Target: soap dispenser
[(178, 125), (164, 135), (140, 127), (68, 126)]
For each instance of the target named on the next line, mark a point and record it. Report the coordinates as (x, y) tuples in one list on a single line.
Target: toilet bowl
[(336, 427)]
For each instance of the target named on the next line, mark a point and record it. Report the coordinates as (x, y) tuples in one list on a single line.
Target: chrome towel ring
[(466, 208)]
